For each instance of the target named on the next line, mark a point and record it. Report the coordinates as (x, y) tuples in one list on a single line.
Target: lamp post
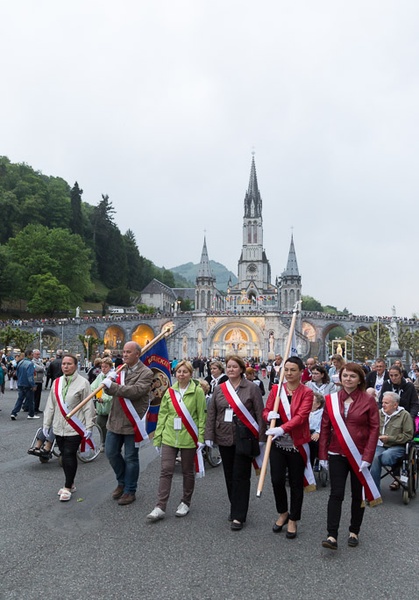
[(352, 332), (40, 330), (87, 338), (378, 337), (62, 334)]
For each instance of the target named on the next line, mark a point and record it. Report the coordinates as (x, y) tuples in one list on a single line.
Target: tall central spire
[(253, 200)]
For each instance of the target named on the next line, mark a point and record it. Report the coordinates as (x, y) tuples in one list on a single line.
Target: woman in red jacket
[(356, 416), (288, 435)]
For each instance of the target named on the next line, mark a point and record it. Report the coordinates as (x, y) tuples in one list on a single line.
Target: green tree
[(119, 296), (311, 304), (37, 250), (365, 342), (16, 337), (23, 339), (76, 223), (48, 295), (134, 275), (109, 246)]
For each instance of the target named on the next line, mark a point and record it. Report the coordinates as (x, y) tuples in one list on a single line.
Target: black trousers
[(280, 461), (37, 395), (68, 446), (237, 472), (339, 468)]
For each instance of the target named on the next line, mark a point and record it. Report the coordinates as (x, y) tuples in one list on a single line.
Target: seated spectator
[(396, 429), (405, 390)]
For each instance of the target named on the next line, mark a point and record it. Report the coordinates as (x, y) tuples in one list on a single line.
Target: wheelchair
[(87, 456), (408, 464)]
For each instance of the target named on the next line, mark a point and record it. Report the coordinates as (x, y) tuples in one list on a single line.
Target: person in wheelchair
[(43, 444), (396, 429)]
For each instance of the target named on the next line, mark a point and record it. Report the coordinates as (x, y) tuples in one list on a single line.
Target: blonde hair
[(186, 364)]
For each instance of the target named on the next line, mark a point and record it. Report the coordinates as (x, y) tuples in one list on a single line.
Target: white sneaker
[(182, 510), (34, 417), (156, 514)]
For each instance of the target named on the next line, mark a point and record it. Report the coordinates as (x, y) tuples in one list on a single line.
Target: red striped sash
[(304, 450), (74, 421), (140, 433), (350, 450), (190, 427)]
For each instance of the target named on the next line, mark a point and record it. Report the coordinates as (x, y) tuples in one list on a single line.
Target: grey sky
[(159, 104)]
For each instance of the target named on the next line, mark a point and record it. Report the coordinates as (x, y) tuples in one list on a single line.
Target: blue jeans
[(24, 393), (385, 457), (127, 467)]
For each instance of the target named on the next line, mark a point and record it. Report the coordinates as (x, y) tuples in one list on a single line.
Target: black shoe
[(13, 417), (278, 528), (236, 526), (329, 543), (290, 535), (353, 541), (39, 412)]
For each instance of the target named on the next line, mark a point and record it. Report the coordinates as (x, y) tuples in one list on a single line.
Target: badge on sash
[(177, 423), (228, 415)]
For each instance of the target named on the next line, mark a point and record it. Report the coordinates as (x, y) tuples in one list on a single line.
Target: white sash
[(140, 433), (369, 489), (304, 449)]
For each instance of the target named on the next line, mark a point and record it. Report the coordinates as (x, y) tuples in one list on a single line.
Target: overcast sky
[(159, 104)]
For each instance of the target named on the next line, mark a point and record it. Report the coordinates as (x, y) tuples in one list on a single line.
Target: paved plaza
[(93, 548)]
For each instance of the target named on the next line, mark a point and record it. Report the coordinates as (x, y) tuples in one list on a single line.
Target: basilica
[(252, 317)]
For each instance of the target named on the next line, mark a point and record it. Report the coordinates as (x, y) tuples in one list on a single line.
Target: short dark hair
[(296, 360)]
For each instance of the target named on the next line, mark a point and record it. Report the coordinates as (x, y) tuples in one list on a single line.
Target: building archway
[(235, 337), (143, 334), (114, 338)]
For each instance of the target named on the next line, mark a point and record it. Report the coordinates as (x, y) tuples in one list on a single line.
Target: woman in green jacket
[(180, 427)]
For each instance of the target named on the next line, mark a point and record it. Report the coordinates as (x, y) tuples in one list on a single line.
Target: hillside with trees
[(57, 251)]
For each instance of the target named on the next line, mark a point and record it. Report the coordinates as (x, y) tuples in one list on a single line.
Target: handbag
[(246, 443)]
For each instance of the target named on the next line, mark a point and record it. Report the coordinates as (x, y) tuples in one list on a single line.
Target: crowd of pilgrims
[(342, 417)]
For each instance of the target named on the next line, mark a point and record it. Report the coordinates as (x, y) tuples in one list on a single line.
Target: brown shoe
[(126, 499), (118, 491)]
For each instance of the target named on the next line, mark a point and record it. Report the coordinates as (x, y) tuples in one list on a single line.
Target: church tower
[(205, 291), (254, 288), (253, 264), (289, 289)]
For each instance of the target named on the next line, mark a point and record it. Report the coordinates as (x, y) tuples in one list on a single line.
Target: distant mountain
[(222, 275)]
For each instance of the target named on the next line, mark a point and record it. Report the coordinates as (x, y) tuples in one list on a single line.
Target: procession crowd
[(348, 419)]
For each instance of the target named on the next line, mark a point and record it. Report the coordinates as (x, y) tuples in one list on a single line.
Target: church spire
[(292, 266), (204, 269), (253, 200)]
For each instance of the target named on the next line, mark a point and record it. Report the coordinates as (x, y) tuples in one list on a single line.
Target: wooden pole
[(264, 468), (118, 370)]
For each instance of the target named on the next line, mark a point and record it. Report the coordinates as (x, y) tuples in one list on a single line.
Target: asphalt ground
[(92, 548)]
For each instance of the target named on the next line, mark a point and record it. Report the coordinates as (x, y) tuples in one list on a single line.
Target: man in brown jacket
[(130, 400)]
